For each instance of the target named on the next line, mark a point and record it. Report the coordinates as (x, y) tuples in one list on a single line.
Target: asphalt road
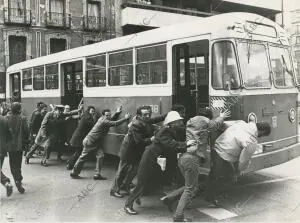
[(52, 196)]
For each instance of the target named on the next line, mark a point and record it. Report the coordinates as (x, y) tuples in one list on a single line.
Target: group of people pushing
[(144, 144)]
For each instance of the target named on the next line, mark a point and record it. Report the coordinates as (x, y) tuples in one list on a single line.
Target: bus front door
[(73, 83), (15, 83), (190, 66)]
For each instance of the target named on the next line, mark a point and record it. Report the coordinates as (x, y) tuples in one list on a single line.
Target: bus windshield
[(254, 65), (281, 66), (224, 66)]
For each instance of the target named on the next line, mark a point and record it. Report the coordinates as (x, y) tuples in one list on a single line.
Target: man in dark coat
[(164, 140), (94, 139), (4, 138), (48, 134), (86, 123), (19, 131), (35, 125), (138, 137)]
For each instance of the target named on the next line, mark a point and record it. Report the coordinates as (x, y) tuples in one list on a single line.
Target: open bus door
[(190, 66), (15, 83), (72, 83)]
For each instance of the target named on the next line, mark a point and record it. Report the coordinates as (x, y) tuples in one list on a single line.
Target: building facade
[(33, 28)]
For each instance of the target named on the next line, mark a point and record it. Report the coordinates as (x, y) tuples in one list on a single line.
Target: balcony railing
[(56, 19), (93, 23), (143, 5), (17, 16)]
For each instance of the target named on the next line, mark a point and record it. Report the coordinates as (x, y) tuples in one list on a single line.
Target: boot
[(9, 189), (21, 189)]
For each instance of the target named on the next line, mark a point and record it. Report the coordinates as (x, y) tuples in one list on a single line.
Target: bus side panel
[(160, 105), (29, 104)]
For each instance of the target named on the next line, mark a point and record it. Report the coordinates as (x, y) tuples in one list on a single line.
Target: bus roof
[(216, 26)]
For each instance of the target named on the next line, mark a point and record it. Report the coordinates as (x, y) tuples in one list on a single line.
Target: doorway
[(190, 66), (73, 83)]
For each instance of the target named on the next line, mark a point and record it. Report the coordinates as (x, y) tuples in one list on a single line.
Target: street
[(51, 195)]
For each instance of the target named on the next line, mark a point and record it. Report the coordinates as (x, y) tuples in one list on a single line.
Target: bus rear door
[(190, 70), (72, 75)]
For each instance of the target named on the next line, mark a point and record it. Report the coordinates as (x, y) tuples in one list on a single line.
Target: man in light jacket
[(191, 162), (232, 153)]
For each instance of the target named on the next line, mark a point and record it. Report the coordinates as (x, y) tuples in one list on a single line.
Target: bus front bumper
[(273, 158)]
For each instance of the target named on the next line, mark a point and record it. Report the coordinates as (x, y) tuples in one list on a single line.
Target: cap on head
[(171, 117), (59, 107)]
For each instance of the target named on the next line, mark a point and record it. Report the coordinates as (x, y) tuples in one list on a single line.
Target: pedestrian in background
[(164, 140), (5, 137), (86, 123), (94, 139), (19, 131)]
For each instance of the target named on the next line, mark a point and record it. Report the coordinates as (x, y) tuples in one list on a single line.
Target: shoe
[(214, 203), (116, 194), (99, 177), (130, 210), (9, 189), (75, 176), (69, 167), (168, 203), (26, 160), (126, 192), (183, 220), (138, 201), (21, 189), (44, 163)]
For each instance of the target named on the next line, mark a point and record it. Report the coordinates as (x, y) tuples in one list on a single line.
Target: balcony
[(17, 16), (93, 23), (59, 20)]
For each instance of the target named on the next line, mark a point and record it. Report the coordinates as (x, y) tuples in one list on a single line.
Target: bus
[(236, 61)]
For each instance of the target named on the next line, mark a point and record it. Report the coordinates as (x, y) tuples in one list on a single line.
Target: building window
[(38, 78), (57, 45), (57, 6), (93, 8), (38, 44), (37, 11), (27, 80), (52, 76), (298, 40), (151, 65), (96, 71), (17, 49), (120, 68)]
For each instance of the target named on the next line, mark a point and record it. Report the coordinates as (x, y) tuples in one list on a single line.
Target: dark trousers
[(15, 163), (220, 173), (124, 176), (73, 159), (147, 170)]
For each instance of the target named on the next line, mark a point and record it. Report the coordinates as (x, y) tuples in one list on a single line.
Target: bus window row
[(150, 68)]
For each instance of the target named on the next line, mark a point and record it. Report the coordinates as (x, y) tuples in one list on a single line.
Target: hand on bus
[(152, 138), (119, 109), (225, 114), (127, 116)]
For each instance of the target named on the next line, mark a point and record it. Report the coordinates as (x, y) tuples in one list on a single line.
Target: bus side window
[(52, 76)]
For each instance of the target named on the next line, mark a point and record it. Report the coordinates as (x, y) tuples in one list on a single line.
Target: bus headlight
[(252, 117), (292, 115)]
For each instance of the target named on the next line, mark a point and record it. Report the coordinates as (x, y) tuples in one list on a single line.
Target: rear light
[(292, 115), (252, 117)]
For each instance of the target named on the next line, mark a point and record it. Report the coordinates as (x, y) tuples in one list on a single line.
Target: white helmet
[(171, 117)]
